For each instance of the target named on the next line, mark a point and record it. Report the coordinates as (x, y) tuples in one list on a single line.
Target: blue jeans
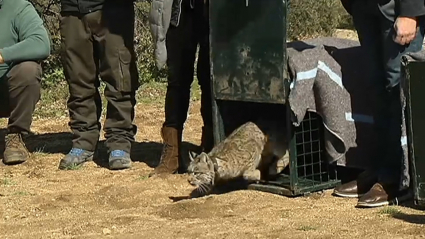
[(383, 56)]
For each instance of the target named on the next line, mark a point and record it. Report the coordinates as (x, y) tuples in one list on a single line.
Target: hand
[(1, 59), (405, 30)]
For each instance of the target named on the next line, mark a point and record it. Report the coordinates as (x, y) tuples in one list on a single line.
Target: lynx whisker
[(203, 188)]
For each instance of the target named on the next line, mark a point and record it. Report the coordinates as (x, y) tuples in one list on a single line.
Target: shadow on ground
[(61, 143), (410, 218), (230, 186), (51, 143), (150, 152)]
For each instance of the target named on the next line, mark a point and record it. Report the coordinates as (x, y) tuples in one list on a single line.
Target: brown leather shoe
[(169, 162), (379, 195), (15, 150), (358, 187)]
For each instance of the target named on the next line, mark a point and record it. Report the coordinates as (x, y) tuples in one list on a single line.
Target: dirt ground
[(39, 201)]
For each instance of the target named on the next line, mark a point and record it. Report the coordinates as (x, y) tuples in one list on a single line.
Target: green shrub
[(307, 18), (144, 47)]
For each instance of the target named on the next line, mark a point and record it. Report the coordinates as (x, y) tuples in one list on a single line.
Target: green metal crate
[(248, 49), (414, 86), (250, 82), (309, 170)]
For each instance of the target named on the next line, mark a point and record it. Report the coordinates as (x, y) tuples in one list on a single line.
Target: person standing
[(188, 28), (97, 38), (24, 43), (387, 29)]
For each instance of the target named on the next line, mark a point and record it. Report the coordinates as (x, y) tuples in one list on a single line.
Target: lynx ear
[(204, 157), (192, 156)]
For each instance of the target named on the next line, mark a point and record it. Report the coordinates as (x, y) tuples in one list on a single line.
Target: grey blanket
[(329, 79)]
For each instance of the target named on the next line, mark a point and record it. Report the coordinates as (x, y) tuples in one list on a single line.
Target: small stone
[(106, 231)]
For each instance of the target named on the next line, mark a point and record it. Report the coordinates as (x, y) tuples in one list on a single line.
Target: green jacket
[(23, 36)]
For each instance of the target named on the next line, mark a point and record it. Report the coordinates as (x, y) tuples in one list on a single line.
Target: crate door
[(414, 88), (248, 49)]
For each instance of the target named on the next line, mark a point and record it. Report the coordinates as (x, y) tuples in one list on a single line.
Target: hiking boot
[(76, 157), (169, 161), (119, 159), (15, 151), (207, 140)]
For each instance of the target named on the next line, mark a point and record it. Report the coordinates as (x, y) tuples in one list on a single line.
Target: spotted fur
[(241, 154)]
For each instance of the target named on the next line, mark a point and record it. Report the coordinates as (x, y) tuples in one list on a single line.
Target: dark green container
[(248, 50), (250, 82), (414, 88)]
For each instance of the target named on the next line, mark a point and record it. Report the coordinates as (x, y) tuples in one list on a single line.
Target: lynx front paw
[(279, 165), (252, 176)]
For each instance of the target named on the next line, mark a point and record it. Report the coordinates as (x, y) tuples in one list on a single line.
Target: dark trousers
[(101, 44), (19, 94), (182, 42), (383, 56)]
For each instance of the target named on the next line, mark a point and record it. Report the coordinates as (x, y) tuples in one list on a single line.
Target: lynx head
[(201, 171)]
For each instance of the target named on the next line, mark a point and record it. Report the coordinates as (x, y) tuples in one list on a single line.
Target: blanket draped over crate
[(328, 78)]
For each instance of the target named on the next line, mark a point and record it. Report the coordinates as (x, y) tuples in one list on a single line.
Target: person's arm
[(411, 8), (34, 40), (406, 23)]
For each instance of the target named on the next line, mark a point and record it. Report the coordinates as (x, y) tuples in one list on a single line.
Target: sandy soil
[(39, 201)]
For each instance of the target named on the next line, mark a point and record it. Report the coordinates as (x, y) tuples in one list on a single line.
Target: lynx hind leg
[(252, 175), (279, 164)]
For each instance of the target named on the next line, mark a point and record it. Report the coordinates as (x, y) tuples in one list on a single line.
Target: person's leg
[(23, 81), (203, 73), (392, 53), (181, 51), (4, 98), (84, 103), (368, 29), (389, 172), (113, 30)]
